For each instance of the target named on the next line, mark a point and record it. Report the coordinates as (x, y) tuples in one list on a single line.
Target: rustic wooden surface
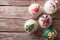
[(14, 13), (19, 36)]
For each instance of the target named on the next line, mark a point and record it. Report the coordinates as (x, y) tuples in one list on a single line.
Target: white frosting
[(50, 7), (29, 22), (43, 17), (32, 6)]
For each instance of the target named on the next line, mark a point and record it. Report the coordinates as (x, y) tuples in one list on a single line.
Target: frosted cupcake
[(35, 9), (50, 7), (45, 21), (30, 25), (49, 34)]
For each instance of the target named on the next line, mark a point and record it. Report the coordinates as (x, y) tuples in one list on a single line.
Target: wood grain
[(21, 36), (11, 25), (19, 12), (19, 2), (16, 24), (13, 12), (22, 2)]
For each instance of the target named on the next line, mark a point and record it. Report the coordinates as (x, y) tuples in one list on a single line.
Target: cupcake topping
[(51, 34)]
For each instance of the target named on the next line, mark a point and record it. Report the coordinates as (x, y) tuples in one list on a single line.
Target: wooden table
[(14, 13)]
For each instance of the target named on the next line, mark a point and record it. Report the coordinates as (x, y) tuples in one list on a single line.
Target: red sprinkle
[(36, 9)]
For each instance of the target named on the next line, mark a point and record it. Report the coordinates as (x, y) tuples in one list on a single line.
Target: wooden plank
[(12, 25), (19, 12), (19, 2), (22, 2), (13, 12), (17, 24), (21, 36)]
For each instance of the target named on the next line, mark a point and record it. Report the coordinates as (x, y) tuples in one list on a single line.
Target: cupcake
[(49, 34), (35, 9), (45, 21), (30, 25), (50, 7)]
